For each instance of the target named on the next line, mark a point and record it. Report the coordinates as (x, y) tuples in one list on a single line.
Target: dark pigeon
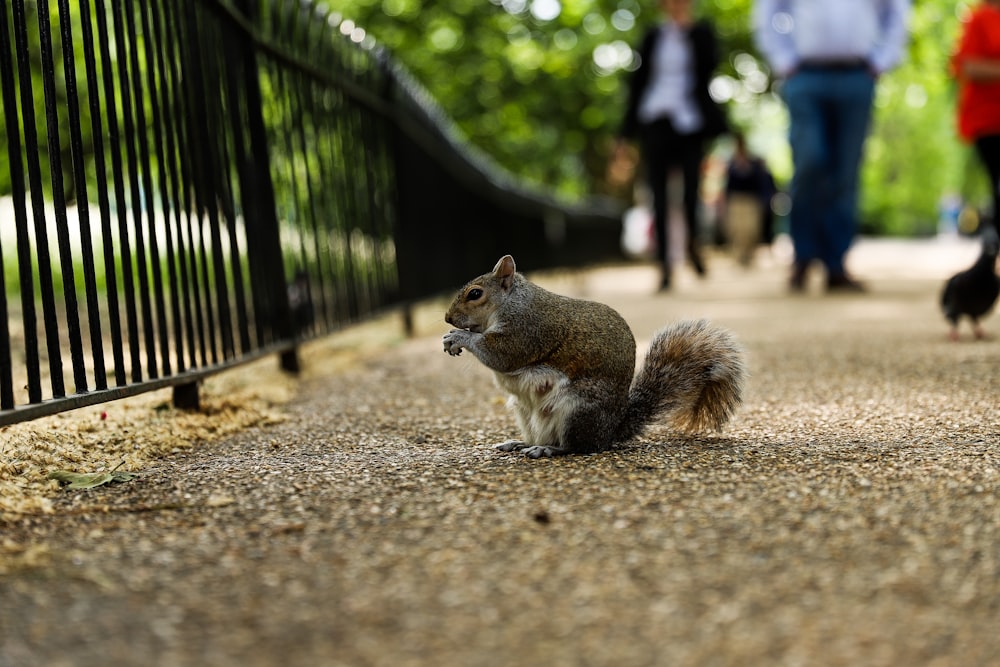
[(973, 292)]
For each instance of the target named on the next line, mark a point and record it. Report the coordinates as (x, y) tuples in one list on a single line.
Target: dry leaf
[(75, 480)]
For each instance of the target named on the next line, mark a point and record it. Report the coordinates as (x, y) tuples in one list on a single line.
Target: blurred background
[(539, 85)]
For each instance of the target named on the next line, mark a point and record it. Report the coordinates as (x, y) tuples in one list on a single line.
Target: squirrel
[(568, 365)]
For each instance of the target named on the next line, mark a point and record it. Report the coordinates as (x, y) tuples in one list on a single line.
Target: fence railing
[(195, 184)]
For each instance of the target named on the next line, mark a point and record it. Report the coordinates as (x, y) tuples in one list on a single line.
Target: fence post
[(257, 190), (186, 396)]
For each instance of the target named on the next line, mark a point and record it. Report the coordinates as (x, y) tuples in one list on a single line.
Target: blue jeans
[(829, 111)]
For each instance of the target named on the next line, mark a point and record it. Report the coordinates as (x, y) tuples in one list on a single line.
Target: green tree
[(540, 86)]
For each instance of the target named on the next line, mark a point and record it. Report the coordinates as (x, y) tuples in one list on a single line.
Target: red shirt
[(979, 101)]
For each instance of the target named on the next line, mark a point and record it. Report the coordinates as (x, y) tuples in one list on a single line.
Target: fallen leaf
[(88, 480)]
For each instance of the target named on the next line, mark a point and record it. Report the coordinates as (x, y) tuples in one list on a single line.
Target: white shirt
[(791, 31), (670, 91)]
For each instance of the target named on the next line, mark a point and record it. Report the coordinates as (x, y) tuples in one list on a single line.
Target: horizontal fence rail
[(190, 185)]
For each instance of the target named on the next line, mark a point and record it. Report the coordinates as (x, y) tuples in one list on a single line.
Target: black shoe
[(841, 282), (696, 261), (664, 280), (797, 283)]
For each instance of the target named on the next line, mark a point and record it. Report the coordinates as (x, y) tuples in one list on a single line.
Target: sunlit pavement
[(874, 261), (903, 277)]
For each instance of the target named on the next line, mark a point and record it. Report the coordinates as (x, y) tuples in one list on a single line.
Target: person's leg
[(804, 97), (988, 148), (655, 140), (691, 154), (851, 96), (743, 225)]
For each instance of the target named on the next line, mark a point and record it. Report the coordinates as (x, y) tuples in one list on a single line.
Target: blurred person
[(829, 55), (672, 115), (747, 202), (976, 64)]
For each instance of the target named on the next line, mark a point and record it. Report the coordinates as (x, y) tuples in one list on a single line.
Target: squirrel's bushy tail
[(693, 374)]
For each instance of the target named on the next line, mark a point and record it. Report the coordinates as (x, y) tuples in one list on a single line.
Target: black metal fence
[(196, 183)]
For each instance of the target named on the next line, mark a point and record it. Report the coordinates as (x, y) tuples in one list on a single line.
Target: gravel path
[(848, 516)]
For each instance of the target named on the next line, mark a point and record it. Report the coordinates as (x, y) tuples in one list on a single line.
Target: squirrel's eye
[(474, 294)]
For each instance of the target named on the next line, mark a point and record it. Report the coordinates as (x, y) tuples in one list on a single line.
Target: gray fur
[(568, 365)]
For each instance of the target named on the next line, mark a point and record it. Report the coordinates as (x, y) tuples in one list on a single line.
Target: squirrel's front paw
[(454, 341), (509, 446), (539, 452)]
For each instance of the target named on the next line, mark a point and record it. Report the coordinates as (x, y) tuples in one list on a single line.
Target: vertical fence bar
[(38, 212), (215, 126), (318, 277), (309, 226), (158, 97), (6, 370), (180, 292), (369, 157), (110, 277), (201, 161), (59, 200), (83, 206), (195, 315), (342, 159), (156, 324), (227, 195), (263, 239), (124, 253), (7, 96), (287, 111), (131, 103)]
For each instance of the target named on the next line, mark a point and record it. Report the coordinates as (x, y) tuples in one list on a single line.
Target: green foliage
[(540, 84), (34, 102)]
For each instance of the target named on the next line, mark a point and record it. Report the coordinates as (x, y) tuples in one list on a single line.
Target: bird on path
[(972, 293)]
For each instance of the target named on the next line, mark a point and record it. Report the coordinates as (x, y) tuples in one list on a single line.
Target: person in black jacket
[(673, 116)]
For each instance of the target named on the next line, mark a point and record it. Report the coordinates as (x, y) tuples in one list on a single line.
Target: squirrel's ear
[(504, 270)]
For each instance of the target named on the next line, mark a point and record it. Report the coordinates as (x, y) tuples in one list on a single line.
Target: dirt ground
[(357, 516)]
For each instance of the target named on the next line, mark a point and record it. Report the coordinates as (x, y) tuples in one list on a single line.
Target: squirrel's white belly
[(541, 400)]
